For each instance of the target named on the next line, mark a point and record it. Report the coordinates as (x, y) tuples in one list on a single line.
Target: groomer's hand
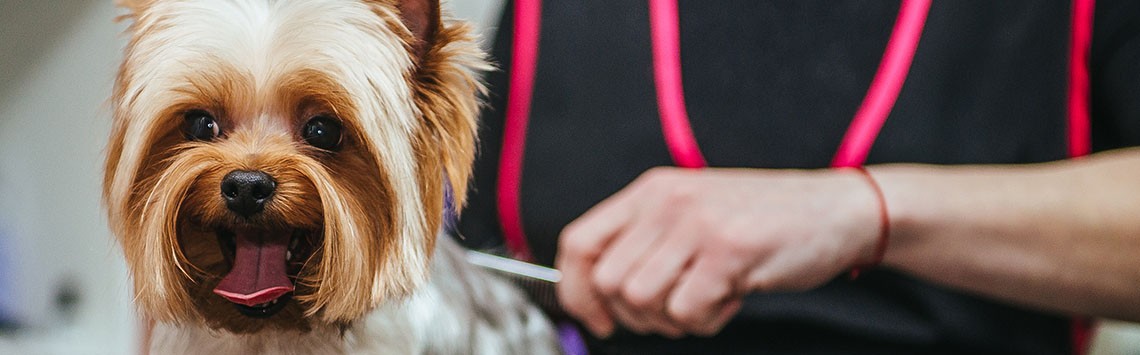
[(675, 251)]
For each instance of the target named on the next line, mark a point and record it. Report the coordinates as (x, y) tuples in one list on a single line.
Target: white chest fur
[(462, 310)]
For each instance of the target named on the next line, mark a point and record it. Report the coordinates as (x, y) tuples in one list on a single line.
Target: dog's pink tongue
[(258, 275)]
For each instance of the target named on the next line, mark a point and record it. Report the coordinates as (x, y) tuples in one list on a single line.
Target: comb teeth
[(541, 292), (535, 280)]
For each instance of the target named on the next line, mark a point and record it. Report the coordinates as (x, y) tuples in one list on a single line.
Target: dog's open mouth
[(265, 264)]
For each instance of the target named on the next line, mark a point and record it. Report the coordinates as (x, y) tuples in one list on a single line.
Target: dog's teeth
[(288, 255)]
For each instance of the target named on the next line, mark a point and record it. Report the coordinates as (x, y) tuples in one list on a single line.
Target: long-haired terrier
[(278, 172)]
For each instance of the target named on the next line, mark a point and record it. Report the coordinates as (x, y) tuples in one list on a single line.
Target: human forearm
[(1063, 236)]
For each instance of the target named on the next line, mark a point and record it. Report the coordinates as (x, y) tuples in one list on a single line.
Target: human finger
[(582, 302), (650, 281), (727, 310), (698, 301), (627, 250), (641, 322), (579, 246)]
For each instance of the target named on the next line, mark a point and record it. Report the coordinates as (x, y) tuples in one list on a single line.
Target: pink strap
[(1080, 41), (524, 59), (664, 25), (885, 87), (864, 128)]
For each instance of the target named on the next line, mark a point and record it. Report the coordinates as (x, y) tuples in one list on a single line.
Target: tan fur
[(161, 191)]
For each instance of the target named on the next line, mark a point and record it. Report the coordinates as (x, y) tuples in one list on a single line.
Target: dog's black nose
[(246, 192)]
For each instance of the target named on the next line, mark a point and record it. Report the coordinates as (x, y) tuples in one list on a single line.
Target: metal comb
[(535, 280)]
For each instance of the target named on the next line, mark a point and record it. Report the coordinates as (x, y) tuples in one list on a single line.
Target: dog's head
[(283, 164)]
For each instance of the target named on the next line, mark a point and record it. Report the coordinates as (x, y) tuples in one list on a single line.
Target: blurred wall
[(65, 277)]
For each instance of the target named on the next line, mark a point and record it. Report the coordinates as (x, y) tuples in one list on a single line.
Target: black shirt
[(774, 84)]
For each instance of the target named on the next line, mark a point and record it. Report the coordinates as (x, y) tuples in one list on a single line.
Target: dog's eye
[(200, 126), (322, 132)]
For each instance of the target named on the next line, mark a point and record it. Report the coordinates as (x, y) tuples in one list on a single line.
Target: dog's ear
[(423, 19), (447, 91)]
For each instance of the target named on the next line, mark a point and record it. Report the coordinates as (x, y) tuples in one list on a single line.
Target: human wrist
[(872, 254), (907, 190)]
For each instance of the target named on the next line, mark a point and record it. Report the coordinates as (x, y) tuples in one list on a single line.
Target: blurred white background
[(61, 276)]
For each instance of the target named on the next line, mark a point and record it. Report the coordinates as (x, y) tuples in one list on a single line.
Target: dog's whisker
[(178, 263)]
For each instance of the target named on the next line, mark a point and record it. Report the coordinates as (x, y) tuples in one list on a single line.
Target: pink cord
[(664, 26), (1080, 135), (868, 120), (524, 59), (885, 86)]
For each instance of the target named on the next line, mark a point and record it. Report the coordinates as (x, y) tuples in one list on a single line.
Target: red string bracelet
[(884, 227)]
